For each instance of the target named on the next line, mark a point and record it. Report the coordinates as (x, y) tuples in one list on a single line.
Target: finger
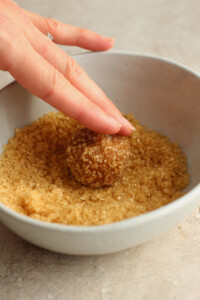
[(75, 74), (35, 35), (71, 35), (40, 78)]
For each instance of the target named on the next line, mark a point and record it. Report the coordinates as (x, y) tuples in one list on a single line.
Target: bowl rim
[(142, 55), (130, 222)]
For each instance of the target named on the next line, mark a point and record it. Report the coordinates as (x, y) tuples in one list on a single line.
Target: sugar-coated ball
[(95, 159)]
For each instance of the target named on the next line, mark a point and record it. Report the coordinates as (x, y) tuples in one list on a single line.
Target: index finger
[(39, 77)]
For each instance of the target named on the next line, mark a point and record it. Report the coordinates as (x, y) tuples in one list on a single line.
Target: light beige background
[(165, 268)]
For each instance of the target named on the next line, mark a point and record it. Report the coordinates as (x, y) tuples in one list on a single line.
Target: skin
[(49, 73)]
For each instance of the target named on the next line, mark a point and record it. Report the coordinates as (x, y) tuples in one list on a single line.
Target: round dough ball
[(95, 159)]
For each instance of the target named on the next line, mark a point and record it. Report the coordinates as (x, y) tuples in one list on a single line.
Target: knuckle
[(81, 31), (80, 35), (52, 25), (73, 70), (80, 115), (85, 107), (52, 82), (56, 82), (9, 37)]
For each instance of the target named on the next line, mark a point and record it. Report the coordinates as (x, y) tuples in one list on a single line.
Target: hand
[(49, 73)]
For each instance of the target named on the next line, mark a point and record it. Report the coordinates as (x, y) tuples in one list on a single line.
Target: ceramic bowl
[(163, 95)]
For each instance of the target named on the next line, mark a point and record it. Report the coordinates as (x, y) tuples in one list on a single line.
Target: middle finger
[(74, 73)]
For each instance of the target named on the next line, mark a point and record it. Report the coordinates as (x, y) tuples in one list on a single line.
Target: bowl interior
[(162, 95)]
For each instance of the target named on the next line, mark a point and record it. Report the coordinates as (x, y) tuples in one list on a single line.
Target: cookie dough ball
[(97, 160)]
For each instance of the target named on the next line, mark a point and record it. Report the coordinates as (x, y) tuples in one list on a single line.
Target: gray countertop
[(167, 267)]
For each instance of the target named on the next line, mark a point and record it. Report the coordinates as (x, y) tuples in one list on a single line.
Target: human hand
[(50, 74)]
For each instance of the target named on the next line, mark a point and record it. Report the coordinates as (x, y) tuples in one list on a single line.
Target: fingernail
[(108, 39), (126, 123)]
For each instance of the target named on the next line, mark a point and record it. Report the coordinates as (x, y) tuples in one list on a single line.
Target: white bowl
[(162, 94)]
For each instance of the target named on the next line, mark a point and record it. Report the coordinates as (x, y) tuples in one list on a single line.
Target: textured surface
[(97, 160), (165, 268)]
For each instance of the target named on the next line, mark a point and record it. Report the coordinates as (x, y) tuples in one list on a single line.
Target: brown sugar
[(36, 181), (95, 159)]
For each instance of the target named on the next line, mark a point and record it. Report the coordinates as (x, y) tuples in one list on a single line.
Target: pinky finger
[(66, 34)]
